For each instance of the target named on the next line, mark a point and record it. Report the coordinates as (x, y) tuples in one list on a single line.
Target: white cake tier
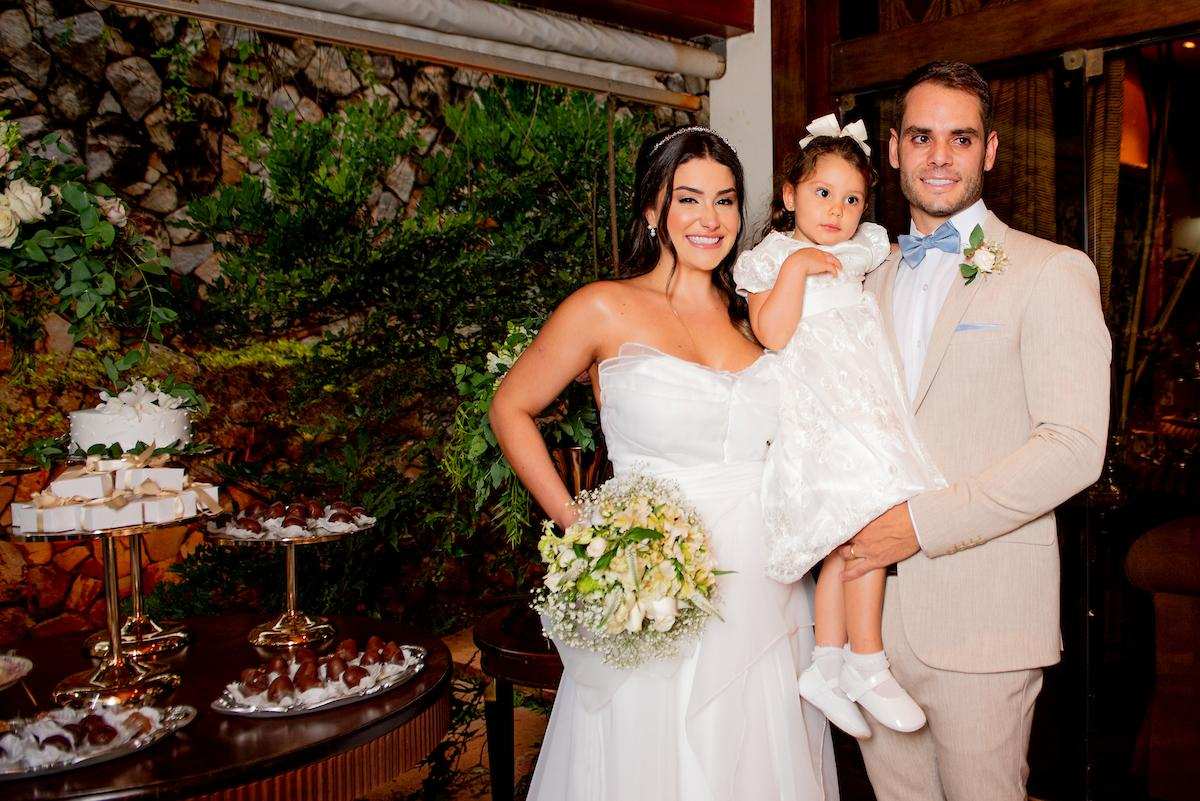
[(150, 425)]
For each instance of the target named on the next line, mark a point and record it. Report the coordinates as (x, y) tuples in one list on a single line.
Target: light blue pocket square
[(977, 327)]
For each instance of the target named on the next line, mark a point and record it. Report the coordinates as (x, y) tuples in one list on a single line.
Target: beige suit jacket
[(1015, 413)]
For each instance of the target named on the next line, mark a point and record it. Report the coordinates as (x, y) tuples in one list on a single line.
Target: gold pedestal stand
[(292, 629), (118, 678), (141, 636), (123, 673)]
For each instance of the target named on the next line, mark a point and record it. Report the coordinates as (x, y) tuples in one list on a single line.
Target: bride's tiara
[(690, 128)]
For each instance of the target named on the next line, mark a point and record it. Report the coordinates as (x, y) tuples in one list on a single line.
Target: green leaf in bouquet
[(606, 559), (107, 232), (64, 253), (97, 450), (89, 219), (639, 534), (579, 550), (110, 369), (588, 584)]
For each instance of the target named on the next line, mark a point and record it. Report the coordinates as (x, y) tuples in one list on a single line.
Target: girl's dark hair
[(658, 159), (801, 163)]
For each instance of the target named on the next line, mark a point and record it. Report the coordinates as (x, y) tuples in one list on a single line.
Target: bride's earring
[(653, 232)]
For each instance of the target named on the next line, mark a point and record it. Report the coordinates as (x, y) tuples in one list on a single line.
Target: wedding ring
[(852, 556)]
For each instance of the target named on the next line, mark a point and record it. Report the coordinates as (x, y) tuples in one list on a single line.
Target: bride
[(686, 394)]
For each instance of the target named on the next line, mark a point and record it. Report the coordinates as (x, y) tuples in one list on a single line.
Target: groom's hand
[(887, 539)]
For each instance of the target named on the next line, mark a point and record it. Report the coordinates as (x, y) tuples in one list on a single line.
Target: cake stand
[(292, 629), (142, 636), (118, 678)]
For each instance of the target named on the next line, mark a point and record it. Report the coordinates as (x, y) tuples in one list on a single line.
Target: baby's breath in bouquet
[(633, 577)]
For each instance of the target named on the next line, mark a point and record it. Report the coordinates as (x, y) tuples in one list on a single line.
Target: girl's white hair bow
[(828, 126)]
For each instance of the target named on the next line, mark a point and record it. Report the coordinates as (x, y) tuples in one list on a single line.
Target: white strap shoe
[(896, 709), (827, 696)]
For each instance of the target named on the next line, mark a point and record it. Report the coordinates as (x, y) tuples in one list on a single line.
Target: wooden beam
[(821, 31), (789, 95), (801, 34), (1004, 33), (720, 18)]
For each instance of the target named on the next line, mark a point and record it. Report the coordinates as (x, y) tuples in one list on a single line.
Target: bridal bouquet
[(632, 577)]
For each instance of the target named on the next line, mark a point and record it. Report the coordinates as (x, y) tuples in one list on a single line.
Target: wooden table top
[(513, 648), (219, 751)]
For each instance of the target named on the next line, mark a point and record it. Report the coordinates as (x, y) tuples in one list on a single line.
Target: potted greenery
[(472, 458)]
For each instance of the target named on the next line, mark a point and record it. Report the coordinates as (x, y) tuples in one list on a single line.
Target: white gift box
[(100, 516), (56, 518), (111, 465), (168, 508), (212, 491), (89, 486), (165, 478)]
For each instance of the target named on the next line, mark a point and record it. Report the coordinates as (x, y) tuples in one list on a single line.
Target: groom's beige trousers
[(975, 744)]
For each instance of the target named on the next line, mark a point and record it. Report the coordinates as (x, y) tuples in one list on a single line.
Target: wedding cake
[(139, 414), (126, 485)]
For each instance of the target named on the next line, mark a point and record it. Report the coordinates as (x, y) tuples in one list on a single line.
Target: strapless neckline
[(621, 354)]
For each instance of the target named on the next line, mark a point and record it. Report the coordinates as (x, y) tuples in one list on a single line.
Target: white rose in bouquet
[(9, 224), (27, 201), (633, 624)]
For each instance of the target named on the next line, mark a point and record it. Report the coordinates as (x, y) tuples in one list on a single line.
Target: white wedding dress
[(847, 448), (724, 721)]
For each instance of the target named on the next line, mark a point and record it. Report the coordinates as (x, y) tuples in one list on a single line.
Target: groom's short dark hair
[(953, 75)]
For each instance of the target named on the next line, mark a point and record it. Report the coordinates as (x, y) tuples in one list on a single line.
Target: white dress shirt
[(919, 293)]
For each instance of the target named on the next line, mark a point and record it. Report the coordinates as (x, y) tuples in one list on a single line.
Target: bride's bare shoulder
[(599, 301)]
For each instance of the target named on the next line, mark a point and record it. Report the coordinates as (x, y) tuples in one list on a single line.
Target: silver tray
[(174, 718), (415, 663)]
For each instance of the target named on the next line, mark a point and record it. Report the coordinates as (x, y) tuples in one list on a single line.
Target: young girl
[(847, 449)]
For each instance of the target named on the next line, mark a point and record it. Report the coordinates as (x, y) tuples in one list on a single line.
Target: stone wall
[(150, 103)]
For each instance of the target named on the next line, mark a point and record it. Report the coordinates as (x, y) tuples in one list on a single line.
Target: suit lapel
[(951, 314)]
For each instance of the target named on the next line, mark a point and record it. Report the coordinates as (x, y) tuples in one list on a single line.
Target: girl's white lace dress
[(847, 448)]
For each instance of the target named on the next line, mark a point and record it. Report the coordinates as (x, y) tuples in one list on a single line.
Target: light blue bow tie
[(914, 247)]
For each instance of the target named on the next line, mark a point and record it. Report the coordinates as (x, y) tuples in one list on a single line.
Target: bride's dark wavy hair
[(655, 172)]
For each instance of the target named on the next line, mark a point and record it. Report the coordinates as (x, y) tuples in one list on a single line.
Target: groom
[(1008, 374)]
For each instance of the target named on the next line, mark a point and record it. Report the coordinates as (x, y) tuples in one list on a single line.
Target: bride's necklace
[(670, 305)]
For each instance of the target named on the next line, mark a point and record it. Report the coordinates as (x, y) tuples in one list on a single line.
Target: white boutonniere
[(982, 256)]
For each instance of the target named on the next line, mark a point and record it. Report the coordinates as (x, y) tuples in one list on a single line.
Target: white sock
[(828, 659), (867, 665)]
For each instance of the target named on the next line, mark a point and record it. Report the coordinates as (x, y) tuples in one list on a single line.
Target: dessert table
[(339, 753), (512, 650)]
